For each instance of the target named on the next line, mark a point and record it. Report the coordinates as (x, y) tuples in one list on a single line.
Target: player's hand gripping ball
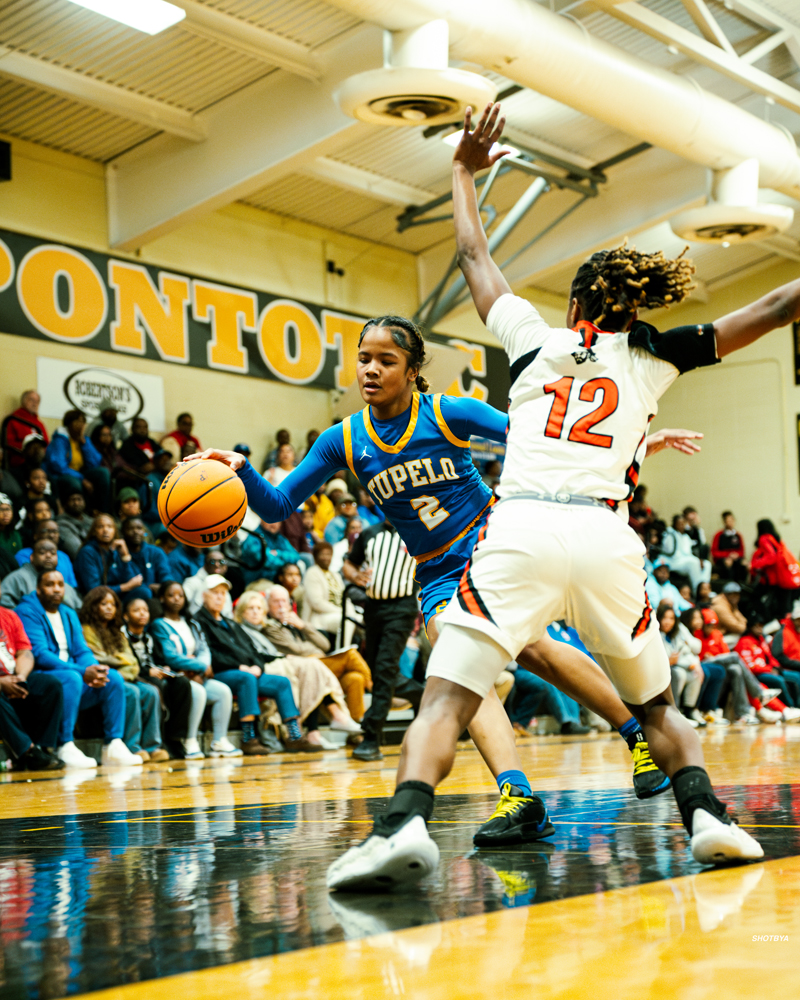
[(202, 503)]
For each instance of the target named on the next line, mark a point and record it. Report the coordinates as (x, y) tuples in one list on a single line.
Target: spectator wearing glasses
[(346, 509), (214, 564)]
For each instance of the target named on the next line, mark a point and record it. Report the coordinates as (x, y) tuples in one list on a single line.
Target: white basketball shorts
[(540, 562)]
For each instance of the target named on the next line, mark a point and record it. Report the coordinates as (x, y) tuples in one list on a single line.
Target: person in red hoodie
[(785, 650), (743, 686), (727, 551), (22, 422), (769, 570)]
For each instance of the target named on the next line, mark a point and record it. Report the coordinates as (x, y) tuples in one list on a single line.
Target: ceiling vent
[(734, 213), (415, 86)]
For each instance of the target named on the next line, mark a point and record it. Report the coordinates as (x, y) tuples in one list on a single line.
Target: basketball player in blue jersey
[(411, 451)]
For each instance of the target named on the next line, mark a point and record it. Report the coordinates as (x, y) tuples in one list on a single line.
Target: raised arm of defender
[(743, 327), (483, 276)]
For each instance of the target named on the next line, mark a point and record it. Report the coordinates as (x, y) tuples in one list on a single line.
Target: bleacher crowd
[(110, 628)]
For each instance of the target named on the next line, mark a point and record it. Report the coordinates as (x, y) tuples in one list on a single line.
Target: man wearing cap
[(214, 564), (30, 702), (107, 417), (21, 582), (24, 421), (731, 619), (659, 588), (265, 551), (74, 523), (326, 500), (345, 510)]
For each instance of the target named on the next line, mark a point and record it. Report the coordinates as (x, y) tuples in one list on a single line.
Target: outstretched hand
[(679, 440), (232, 459), (474, 148)]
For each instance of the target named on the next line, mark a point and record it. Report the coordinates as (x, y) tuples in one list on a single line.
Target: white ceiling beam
[(764, 48), (702, 51), (249, 39), (352, 178), (99, 94), (707, 24), (274, 127), (767, 18)]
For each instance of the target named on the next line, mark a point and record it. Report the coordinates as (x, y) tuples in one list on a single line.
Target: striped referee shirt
[(383, 551)]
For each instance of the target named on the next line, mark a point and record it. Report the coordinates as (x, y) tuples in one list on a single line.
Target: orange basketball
[(202, 503)]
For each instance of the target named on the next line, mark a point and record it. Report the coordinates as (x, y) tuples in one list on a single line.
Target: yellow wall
[(62, 197), (747, 407)]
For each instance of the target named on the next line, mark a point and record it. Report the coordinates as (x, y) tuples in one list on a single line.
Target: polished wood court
[(207, 879)]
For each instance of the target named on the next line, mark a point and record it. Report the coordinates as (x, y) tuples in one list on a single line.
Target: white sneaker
[(692, 722), (73, 757), (751, 719), (116, 753), (191, 749), (349, 726), (715, 842), (385, 862), (224, 748), (767, 715), (791, 714), (768, 694)]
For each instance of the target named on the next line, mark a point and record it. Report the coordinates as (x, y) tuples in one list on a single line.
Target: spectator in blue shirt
[(149, 560), (48, 531), (58, 646), (264, 551), (71, 460), (659, 588), (104, 561), (337, 526)]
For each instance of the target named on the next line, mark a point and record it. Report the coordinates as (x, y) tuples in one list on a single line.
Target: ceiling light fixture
[(149, 16)]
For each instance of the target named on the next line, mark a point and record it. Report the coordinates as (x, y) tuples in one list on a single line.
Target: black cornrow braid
[(613, 284), (406, 334)]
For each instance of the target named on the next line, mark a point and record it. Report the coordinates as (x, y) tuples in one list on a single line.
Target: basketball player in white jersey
[(557, 545)]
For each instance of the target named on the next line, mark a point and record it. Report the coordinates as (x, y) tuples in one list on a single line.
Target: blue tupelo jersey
[(417, 467)]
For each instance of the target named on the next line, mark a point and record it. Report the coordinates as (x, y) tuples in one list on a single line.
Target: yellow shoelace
[(508, 803), (642, 761)]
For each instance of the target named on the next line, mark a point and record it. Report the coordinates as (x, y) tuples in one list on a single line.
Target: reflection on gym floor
[(97, 900)]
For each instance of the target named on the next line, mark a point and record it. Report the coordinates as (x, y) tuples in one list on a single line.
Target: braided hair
[(406, 334), (613, 284)]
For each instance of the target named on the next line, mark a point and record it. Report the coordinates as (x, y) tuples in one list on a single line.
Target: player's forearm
[(270, 504), (777, 309), (471, 242)]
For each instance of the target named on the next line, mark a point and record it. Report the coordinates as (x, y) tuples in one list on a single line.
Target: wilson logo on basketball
[(219, 536)]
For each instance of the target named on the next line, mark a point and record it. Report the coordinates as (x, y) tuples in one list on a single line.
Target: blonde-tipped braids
[(613, 284)]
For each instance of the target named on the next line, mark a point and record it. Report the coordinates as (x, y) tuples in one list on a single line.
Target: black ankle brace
[(411, 798), (693, 790)]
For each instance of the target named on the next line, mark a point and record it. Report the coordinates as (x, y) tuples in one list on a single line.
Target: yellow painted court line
[(35, 829)]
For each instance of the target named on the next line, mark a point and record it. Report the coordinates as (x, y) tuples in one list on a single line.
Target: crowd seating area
[(116, 638)]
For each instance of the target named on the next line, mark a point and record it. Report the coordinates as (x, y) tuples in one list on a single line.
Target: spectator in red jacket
[(727, 550), (765, 566), (785, 649), (741, 681), (24, 421), (756, 653)]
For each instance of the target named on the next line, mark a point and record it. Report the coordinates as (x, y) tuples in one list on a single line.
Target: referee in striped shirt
[(379, 562)]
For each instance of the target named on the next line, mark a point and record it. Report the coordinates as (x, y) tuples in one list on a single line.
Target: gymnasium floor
[(206, 879)]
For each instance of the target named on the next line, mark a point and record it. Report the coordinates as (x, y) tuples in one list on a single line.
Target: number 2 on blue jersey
[(429, 511)]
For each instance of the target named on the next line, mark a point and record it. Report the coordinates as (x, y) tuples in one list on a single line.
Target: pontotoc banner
[(60, 293)]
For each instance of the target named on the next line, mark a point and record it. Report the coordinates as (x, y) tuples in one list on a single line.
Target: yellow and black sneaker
[(522, 872), (648, 780), (518, 819)]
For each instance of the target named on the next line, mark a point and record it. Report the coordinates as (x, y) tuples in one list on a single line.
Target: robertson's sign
[(60, 293)]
